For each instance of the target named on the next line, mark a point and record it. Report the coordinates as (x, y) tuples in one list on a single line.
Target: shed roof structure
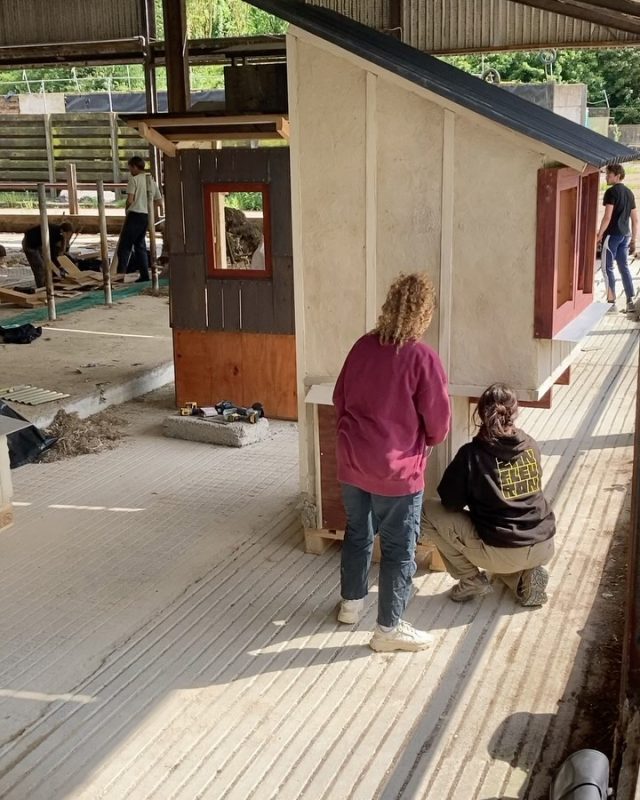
[(451, 83), (462, 26)]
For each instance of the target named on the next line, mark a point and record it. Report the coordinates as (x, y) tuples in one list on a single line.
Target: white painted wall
[(389, 178)]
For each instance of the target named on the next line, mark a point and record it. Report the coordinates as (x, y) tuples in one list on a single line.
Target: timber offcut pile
[(68, 281)]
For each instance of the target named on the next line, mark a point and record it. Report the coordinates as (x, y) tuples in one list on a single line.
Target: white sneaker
[(402, 637), (350, 611), (613, 308)]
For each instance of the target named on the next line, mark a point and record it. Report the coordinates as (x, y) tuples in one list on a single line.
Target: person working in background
[(132, 236), (59, 238), (617, 237)]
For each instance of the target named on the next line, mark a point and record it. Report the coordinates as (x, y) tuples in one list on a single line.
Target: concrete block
[(231, 434)]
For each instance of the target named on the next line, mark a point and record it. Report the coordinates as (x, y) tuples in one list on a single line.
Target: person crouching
[(509, 527)]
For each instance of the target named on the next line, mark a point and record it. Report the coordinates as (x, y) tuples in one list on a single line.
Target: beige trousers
[(464, 552)]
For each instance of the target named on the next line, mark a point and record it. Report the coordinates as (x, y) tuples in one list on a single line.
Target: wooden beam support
[(599, 15), (177, 55), (154, 137)]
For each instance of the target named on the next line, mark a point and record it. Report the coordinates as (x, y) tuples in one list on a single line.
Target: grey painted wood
[(231, 304), (188, 306), (257, 306), (214, 305), (283, 301), (280, 196), (174, 225), (193, 202)]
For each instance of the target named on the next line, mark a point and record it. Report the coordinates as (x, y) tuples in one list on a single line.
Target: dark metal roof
[(451, 83)]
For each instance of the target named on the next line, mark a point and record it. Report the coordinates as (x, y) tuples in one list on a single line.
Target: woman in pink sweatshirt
[(391, 404)]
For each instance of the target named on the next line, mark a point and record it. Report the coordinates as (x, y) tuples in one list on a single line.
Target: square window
[(238, 230)]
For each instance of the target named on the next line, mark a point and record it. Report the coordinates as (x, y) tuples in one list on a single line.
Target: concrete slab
[(99, 356), (229, 434)]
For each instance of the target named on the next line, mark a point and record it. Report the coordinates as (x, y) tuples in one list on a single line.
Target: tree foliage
[(612, 76)]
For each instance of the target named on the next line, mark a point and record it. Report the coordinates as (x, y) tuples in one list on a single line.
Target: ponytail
[(496, 412)]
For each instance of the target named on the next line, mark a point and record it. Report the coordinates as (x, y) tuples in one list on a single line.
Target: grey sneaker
[(630, 307), (613, 308), (402, 637), (531, 590), (350, 611), (468, 588)]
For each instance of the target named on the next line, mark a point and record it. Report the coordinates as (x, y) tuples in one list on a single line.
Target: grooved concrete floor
[(165, 636)]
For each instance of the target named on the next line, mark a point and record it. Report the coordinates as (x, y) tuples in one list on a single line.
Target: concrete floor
[(164, 635), (99, 356)]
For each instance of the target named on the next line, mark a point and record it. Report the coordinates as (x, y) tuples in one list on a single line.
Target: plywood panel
[(208, 369), (243, 367), (269, 373), (193, 202), (187, 299), (333, 516)]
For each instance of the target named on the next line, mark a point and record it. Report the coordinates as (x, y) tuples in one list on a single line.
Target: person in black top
[(508, 527), (617, 236), (59, 238)]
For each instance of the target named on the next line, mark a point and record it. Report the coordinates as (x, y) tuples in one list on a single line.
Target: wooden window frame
[(213, 270), (549, 317)]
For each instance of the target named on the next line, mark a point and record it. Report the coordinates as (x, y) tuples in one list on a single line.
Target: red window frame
[(566, 244), (213, 269)]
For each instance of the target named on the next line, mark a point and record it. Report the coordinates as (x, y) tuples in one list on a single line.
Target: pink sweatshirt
[(390, 405)]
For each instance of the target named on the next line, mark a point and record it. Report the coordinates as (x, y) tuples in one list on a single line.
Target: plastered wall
[(408, 189), (330, 128), (494, 250), (370, 176)]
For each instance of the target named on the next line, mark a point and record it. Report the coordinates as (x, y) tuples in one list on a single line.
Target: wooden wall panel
[(257, 306), (174, 221), (214, 305), (269, 370), (187, 299), (283, 299), (193, 201), (333, 516), (242, 367), (256, 298), (231, 305), (279, 179)]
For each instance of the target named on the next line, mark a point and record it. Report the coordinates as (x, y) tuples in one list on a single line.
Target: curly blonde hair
[(407, 311)]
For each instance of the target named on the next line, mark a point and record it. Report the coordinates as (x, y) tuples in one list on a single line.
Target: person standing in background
[(618, 237), (134, 230)]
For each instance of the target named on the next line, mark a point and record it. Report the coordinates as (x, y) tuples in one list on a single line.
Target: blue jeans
[(397, 520), (132, 237), (616, 248)]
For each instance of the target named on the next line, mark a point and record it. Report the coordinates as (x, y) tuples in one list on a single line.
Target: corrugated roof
[(451, 83), (461, 26)]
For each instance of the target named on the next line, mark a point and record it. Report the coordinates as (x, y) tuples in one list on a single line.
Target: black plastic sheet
[(27, 445)]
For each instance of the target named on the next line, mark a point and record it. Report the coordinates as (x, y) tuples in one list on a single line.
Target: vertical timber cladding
[(256, 305), (233, 338)]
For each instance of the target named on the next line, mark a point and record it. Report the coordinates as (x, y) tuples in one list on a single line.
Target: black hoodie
[(501, 484)]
